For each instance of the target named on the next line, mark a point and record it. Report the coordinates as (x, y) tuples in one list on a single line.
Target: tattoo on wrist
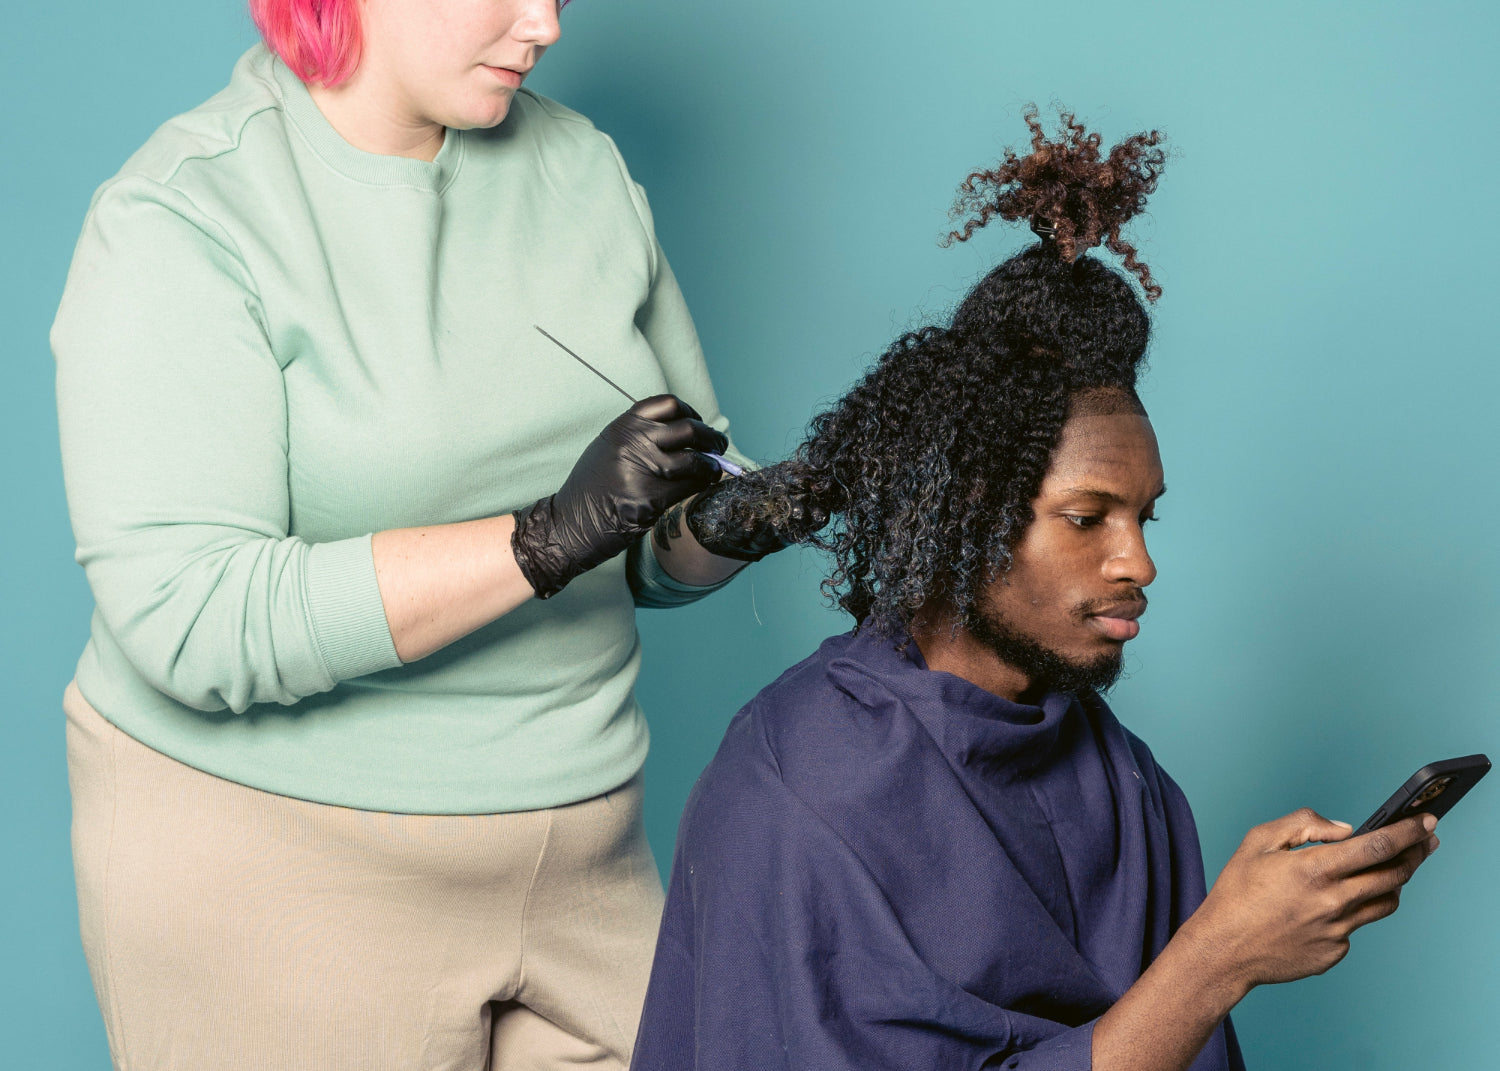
[(668, 527)]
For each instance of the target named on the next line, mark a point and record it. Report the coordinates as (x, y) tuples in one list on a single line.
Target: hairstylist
[(345, 800)]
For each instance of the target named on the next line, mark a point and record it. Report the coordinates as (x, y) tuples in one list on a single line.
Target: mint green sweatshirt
[(271, 345)]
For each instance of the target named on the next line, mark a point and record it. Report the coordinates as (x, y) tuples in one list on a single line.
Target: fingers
[(1384, 879), (673, 425), (679, 452), (1373, 910), (1382, 886), (1302, 826), (663, 408), (694, 470), (688, 434), (1380, 845), (807, 516)]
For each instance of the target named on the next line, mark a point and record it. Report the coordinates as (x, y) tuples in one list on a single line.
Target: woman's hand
[(444, 581), (711, 536), (744, 520), (645, 460)]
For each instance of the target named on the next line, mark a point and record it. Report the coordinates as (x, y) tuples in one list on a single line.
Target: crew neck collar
[(376, 169)]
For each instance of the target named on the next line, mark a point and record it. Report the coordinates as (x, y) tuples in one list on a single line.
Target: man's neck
[(950, 649)]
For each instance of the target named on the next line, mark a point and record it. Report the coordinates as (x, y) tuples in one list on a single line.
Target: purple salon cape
[(886, 867)]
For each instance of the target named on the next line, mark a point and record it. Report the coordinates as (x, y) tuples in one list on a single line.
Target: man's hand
[(1276, 915)]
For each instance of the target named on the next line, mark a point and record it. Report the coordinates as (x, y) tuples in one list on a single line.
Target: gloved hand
[(751, 516), (642, 462)]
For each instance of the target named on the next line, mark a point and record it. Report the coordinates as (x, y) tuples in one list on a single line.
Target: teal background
[(1323, 383)]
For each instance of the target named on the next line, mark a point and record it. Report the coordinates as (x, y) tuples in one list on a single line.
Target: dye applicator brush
[(724, 466)]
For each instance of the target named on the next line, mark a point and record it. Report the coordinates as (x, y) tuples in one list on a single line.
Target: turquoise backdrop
[(1323, 381)]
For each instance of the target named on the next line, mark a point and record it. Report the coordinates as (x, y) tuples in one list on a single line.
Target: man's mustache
[(1132, 606)]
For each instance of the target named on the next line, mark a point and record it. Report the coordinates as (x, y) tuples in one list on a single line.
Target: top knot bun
[(1071, 197)]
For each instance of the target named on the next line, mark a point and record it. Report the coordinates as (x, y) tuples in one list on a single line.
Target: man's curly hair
[(929, 464), (1064, 186)]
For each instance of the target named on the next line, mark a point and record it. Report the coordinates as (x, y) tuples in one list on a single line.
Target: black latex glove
[(749, 517), (643, 461)]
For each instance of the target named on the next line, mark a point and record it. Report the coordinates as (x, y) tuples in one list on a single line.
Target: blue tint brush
[(724, 466)]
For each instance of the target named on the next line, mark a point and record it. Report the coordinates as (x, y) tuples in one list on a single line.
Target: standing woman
[(352, 788)]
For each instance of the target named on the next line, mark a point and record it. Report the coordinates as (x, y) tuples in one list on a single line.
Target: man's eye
[(1086, 520), (1148, 518)]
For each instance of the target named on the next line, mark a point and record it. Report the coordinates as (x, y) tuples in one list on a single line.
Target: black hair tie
[(1044, 230)]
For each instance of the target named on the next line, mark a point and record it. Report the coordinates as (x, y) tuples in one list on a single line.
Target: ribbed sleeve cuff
[(650, 584), (348, 618)]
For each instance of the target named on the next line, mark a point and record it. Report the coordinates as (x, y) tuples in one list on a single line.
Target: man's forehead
[(1110, 452)]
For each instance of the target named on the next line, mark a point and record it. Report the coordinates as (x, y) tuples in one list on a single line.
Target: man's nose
[(1129, 561)]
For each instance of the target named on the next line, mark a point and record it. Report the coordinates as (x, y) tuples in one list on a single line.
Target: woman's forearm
[(441, 583), (681, 555)]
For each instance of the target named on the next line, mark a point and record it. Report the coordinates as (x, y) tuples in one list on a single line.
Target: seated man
[(931, 845)]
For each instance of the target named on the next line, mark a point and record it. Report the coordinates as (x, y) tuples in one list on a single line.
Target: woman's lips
[(506, 75)]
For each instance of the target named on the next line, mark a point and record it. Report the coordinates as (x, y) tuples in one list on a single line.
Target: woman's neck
[(371, 115)]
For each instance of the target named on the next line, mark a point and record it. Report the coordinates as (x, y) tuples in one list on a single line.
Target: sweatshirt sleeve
[(779, 949), (667, 325), (173, 420)]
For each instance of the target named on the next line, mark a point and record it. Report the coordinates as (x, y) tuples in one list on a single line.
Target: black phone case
[(1431, 790)]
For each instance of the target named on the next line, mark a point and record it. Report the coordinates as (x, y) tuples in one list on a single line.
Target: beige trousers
[(228, 928)]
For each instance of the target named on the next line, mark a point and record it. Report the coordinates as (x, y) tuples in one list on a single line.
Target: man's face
[(1064, 611)]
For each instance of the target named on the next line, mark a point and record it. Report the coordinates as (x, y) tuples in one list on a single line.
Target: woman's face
[(455, 63)]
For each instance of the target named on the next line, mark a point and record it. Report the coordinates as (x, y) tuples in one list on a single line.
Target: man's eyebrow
[(1105, 496)]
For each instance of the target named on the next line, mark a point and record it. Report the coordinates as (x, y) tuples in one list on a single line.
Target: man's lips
[(1119, 622)]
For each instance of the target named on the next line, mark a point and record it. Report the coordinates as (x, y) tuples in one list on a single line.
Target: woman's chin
[(482, 113)]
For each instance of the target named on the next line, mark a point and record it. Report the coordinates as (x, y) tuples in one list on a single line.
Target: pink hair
[(318, 39)]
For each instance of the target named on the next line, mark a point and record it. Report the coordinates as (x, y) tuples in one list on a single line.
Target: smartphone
[(1431, 790)]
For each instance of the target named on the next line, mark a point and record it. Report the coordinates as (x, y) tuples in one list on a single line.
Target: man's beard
[(1046, 669)]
